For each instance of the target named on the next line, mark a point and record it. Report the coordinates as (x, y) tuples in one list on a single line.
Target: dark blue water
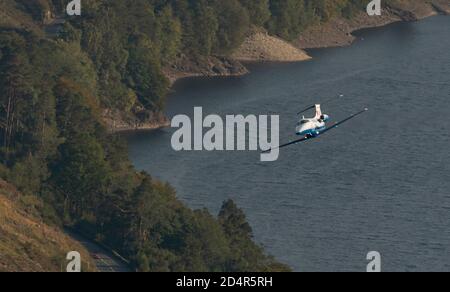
[(381, 182)]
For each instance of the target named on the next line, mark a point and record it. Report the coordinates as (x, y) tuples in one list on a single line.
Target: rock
[(338, 31), (120, 122), (441, 6), (260, 46), (204, 66)]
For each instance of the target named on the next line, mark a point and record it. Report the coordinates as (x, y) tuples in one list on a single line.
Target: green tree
[(170, 36), (289, 18), (200, 24), (258, 10), (233, 25), (82, 174), (54, 92), (246, 255), (145, 76)]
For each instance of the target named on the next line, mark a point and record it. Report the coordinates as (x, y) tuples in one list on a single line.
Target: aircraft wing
[(343, 121), (303, 139)]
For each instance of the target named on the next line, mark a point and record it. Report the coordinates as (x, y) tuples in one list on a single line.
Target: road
[(54, 28), (105, 261)]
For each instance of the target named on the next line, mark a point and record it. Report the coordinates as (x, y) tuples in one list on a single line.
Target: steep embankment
[(13, 18), (338, 31), (204, 66), (260, 46), (27, 244), (20, 17), (441, 6), (116, 121)]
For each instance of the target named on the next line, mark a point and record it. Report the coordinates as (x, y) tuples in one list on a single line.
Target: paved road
[(104, 260), (54, 28)]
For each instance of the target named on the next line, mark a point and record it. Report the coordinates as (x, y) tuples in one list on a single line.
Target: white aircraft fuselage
[(314, 126)]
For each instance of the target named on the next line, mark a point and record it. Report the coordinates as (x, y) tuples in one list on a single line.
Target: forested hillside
[(26, 243), (129, 42), (149, 35), (55, 148), (58, 78)]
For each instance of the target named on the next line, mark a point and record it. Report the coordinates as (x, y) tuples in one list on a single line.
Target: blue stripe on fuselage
[(312, 132)]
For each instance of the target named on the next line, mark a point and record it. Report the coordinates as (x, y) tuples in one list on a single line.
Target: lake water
[(379, 183)]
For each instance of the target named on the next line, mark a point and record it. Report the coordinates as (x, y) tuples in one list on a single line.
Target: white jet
[(312, 128)]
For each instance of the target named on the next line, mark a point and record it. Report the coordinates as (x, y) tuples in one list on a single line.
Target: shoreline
[(338, 32), (319, 37), (117, 123)]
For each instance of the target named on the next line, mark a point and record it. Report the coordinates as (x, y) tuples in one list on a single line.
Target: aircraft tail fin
[(318, 111)]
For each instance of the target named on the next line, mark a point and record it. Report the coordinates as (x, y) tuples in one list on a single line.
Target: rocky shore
[(205, 66), (339, 31), (118, 122), (259, 46), (441, 6)]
